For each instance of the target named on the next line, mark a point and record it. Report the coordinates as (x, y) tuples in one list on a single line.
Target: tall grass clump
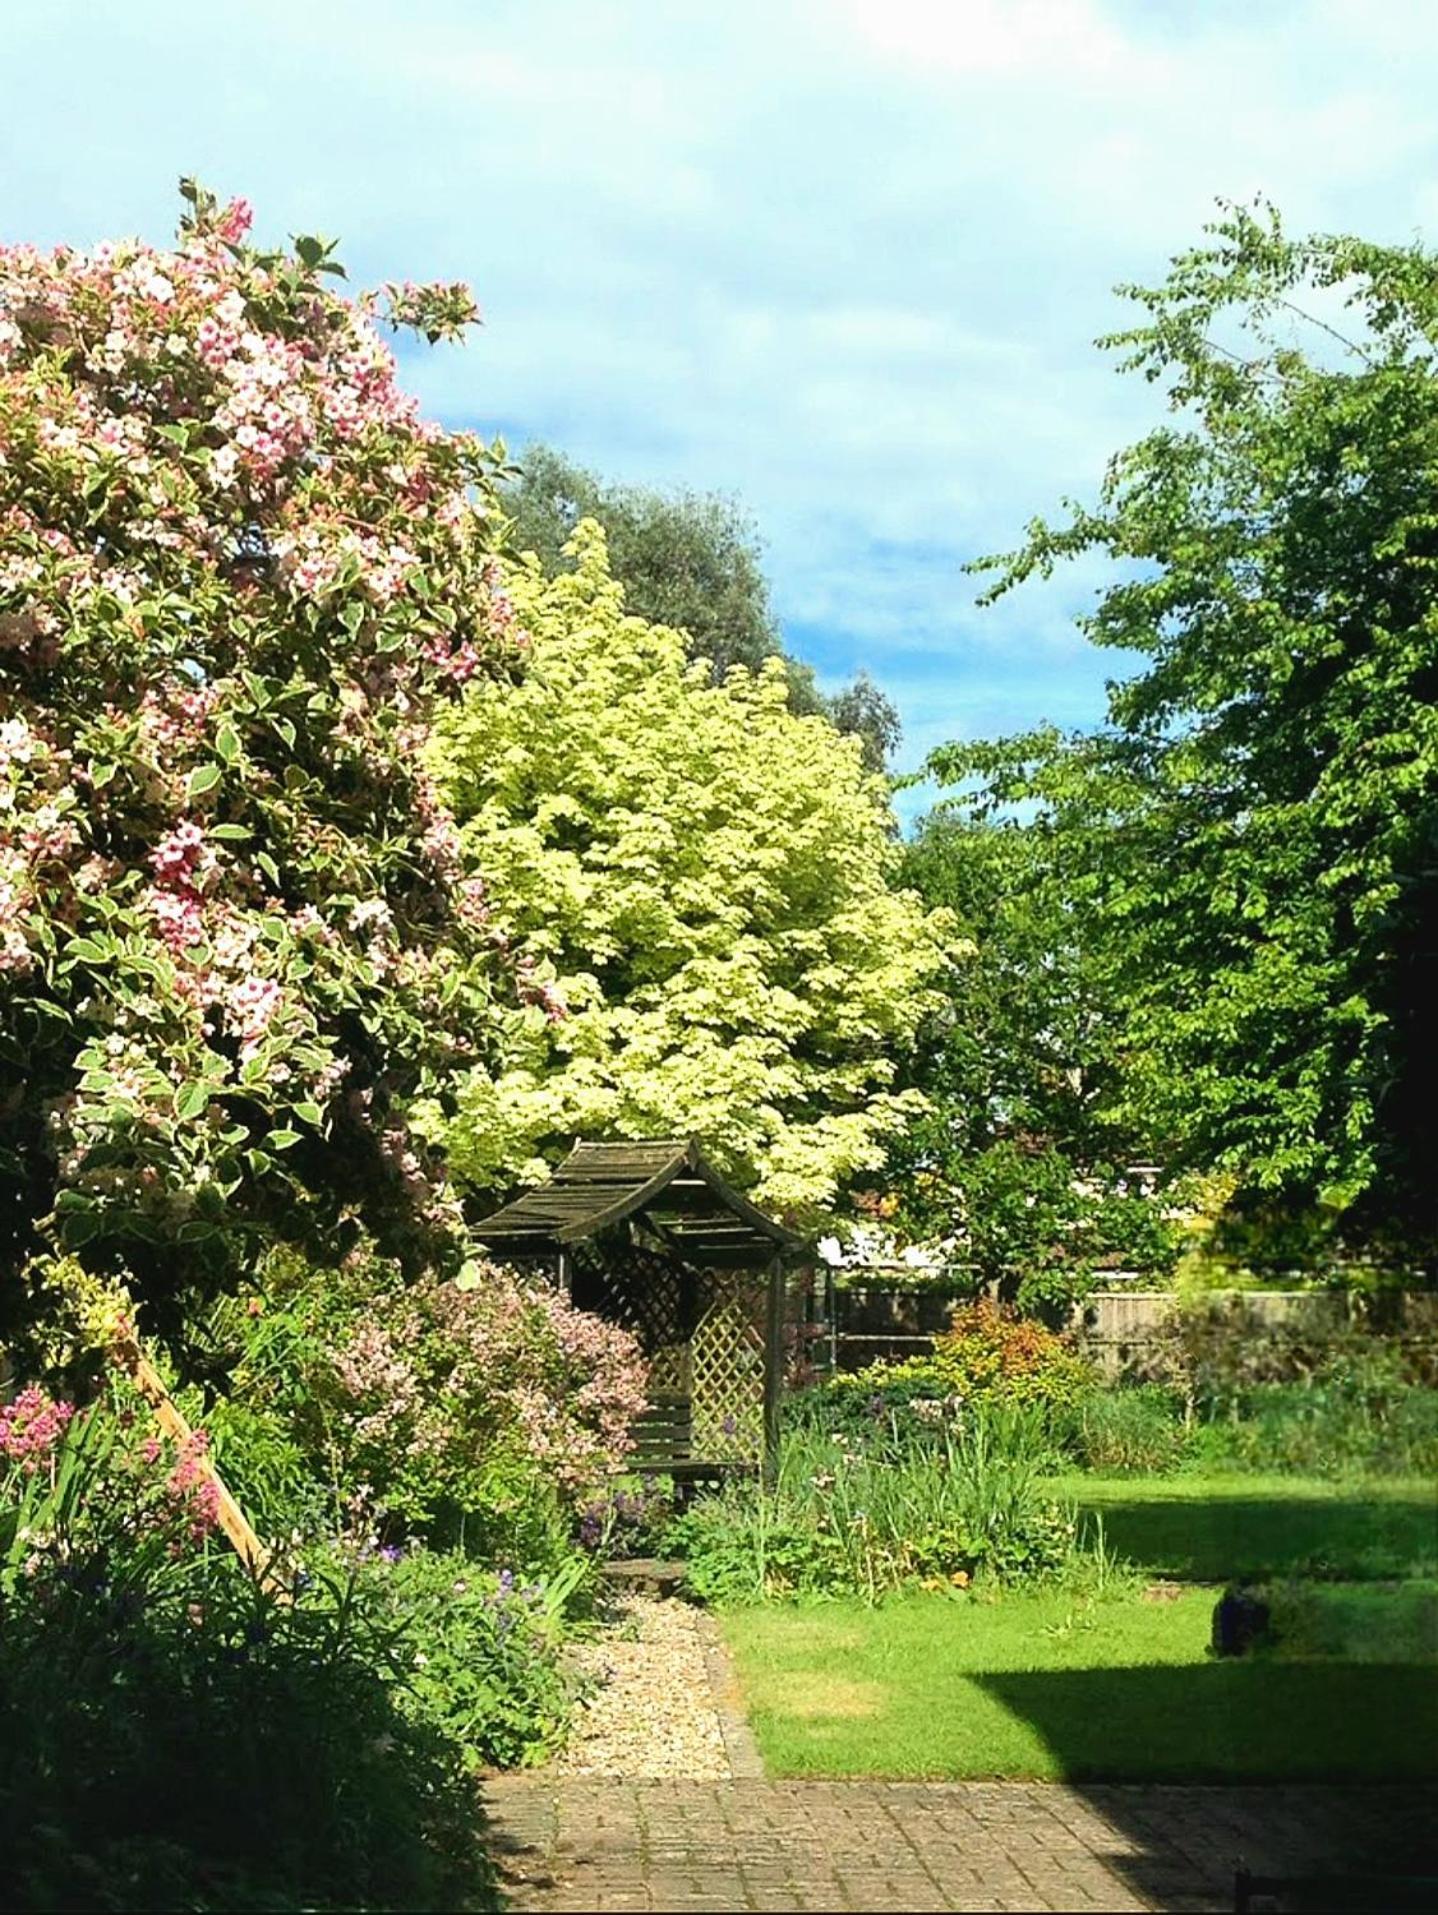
[(966, 1503)]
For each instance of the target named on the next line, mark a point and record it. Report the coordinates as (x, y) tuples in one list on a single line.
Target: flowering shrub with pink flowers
[(489, 1407), (87, 1500), (238, 932)]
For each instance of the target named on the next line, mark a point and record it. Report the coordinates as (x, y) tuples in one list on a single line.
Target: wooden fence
[(1117, 1329), (881, 1323)]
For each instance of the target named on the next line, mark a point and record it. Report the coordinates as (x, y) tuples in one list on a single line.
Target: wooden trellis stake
[(241, 1535)]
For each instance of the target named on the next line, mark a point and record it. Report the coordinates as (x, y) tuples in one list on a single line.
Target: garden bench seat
[(663, 1446)]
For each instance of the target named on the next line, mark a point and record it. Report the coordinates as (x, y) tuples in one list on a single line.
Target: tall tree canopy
[(1251, 844), (705, 878), (689, 560), (1018, 1159), (237, 932)]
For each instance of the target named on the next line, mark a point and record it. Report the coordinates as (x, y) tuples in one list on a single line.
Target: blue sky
[(842, 257)]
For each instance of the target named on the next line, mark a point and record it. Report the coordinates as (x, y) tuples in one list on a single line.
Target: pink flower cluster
[(183, 858), (608, 1379), (234, 222), (252, 1005), (192, 1487), (182, 863), (15, 953), (31, 1425), (174, 719), (373, 1372), (541, 991), (438, 1376), (48, 834)]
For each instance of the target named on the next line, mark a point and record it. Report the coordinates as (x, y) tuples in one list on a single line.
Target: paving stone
[(570, 1843)]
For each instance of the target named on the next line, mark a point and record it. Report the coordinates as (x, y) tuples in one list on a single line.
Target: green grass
[(1047, 1684), (1041, 1685), (1214, 1528)]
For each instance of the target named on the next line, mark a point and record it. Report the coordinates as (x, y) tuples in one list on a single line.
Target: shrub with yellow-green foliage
[(989, 1355), (700, 884)]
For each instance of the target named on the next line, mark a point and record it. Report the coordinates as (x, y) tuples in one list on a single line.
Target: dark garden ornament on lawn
[(1242, 1621)]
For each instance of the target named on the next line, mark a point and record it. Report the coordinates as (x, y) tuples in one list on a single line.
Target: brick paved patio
[(751, 1844)]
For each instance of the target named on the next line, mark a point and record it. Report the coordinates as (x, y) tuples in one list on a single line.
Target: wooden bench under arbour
[(664, 1446), (650, 1236)]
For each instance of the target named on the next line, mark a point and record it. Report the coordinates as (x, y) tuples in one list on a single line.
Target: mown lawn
[(1049, 1685), (1215, 1528), (1036, 1685)]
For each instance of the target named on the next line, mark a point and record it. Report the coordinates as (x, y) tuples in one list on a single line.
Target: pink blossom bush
[(238, 933), (435, 1400), (443, 1388), (84, 1487)]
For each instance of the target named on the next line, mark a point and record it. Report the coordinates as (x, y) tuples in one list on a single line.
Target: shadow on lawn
[(1358, 1747), (1239, 1721), (1262, 1535)]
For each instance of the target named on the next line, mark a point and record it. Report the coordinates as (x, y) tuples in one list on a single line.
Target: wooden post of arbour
[(127, 1353), (773, 1366)]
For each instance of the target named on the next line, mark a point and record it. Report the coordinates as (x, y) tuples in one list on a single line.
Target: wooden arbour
[(650, 1236)]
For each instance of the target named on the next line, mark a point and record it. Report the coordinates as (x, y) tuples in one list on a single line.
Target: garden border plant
[(158, 1705), (969, 1500)]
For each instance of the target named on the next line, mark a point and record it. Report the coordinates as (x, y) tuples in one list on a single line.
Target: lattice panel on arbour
[(649, 1296), (727, 1366)]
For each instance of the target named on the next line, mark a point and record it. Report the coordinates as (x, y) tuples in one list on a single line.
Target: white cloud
[(843, 256), (1066, 43)]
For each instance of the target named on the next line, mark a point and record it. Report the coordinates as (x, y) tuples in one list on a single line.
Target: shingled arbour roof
[(683, 1199)]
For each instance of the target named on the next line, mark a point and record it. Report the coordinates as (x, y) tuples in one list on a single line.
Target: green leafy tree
[(237, 932), (1014, 1160), (690, 560), (1251, 844), (1021, 1048), (867, 713), (703, 882)]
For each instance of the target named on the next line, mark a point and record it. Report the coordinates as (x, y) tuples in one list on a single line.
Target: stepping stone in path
[(649, 1575)]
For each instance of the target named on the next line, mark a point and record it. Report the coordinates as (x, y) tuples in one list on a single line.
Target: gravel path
[(663, 1708)]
